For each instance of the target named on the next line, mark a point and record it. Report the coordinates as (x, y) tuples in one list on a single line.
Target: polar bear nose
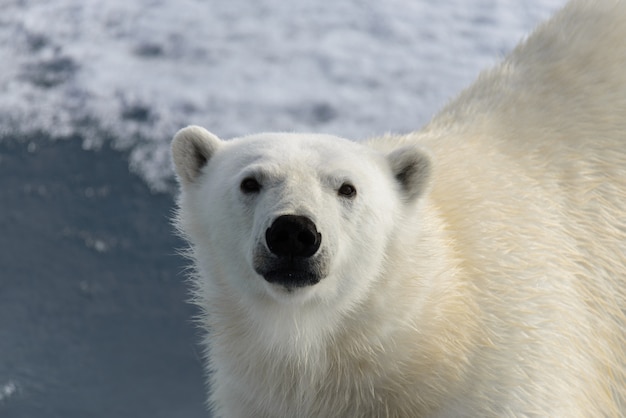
[(293, 236)]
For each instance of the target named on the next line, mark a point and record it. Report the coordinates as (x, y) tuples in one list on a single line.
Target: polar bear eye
[(250, 185), (347, 190)]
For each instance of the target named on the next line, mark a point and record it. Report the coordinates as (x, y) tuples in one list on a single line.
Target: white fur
[(492, 282)]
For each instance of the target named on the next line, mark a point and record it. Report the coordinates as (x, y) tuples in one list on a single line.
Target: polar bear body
[(474, 268)]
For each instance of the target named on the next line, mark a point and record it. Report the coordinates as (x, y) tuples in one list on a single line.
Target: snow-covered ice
[(133, 72)]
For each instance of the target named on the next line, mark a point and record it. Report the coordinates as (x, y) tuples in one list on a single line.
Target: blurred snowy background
[(93, 319)]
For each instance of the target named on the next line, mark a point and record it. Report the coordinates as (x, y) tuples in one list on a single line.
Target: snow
[(131, 73), (7, 390)]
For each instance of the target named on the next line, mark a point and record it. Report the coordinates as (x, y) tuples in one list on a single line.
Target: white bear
[(474, 268)]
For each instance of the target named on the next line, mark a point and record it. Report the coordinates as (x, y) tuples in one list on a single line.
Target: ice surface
[(133, 72)]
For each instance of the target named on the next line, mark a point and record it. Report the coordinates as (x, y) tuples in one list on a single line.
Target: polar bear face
[(292, 217)]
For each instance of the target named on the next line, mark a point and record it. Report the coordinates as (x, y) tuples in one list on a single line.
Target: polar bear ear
[(411, 168), (192, 148)]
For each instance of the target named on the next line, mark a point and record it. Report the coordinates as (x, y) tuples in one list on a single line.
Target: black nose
[(293, 236)]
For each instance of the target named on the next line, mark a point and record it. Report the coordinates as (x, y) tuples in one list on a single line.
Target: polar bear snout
[(293, 236), (291, 256)]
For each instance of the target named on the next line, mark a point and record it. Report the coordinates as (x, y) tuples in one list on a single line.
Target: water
[(93, 319)]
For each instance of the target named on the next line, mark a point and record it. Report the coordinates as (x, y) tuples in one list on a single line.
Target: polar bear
[(474, 268)]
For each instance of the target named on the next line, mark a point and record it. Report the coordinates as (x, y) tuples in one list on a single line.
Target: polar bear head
[(292, 217)]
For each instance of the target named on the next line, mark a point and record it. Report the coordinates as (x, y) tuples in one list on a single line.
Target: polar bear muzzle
[(292, 241)]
